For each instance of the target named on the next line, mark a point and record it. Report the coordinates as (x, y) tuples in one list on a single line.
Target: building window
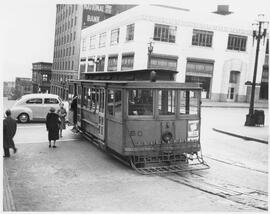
[(73, 50), (92, 42), (115, 36), (102, 40), (199, 67), (74, 35), (90, 66), (162, 62), (84, 44), (112, 63), (44, 77), (82, 68), (234, 76), (100, 64), (72, 64), (236, 42), (75, 20), (130, 32), (127, 62), (165, 33), (202, 38)]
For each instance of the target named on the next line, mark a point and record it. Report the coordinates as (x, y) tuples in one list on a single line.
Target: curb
[(222, 106), (8, 202), (241, 136)]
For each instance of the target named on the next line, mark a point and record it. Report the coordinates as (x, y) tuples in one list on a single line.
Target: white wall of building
[(145, 18)]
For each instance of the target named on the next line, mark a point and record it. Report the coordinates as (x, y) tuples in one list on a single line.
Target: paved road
[(77, 176)]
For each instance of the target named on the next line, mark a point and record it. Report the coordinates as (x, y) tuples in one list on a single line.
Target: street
[(77, 176)]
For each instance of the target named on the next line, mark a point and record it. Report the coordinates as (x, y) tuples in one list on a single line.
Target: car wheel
[(23, 118)]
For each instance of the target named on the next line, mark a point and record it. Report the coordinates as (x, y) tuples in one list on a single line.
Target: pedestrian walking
[(52, 125), (62, 113), (9, 131), (73, 107)]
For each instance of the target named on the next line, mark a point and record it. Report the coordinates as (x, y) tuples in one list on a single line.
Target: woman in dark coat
[(52, 125)]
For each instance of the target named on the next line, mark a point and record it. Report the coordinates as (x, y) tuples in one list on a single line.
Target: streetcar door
[(101, 114)]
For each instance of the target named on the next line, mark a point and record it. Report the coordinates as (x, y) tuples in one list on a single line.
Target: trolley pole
[(250, 118)]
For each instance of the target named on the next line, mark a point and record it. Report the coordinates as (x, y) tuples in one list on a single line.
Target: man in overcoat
[(9, 131)]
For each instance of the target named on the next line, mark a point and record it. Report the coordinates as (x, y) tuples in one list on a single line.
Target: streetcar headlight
[(167, 137)]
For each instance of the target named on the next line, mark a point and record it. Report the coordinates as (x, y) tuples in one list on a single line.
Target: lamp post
[(150, 50), (258, 35)]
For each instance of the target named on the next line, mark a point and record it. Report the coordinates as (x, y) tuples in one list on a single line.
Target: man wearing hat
[(9, 131), (52, 125)]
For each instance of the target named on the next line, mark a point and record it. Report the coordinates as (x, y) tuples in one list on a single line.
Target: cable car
[(143, 117)]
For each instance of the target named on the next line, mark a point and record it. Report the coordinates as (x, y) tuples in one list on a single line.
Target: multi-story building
[(212, 49), (41, 77), (9, 89), (70, 19), (23, 86)]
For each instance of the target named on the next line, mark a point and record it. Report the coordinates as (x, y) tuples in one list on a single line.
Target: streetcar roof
[(144, 84)]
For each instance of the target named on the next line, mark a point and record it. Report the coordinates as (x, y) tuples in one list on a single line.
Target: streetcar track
[(237, 165), (247, 198)]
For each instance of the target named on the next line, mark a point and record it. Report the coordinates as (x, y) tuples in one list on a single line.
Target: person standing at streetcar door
[(62, 113)]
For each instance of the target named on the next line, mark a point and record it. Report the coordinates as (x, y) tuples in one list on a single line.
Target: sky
[(28, 26)]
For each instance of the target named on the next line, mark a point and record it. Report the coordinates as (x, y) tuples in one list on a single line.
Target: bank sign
[(94, 13)]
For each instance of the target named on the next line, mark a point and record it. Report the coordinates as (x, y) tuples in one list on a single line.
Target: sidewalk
[(257, 105), (8, 203)]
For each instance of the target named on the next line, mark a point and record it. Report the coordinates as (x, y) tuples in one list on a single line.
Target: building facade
[(9, 89), (214, 50), (70, 20), (41, 77), (23, 86)]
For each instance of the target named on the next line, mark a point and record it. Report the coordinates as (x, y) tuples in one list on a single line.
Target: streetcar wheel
[(23, 118)]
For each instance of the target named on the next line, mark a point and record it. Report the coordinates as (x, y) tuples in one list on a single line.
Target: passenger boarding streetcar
[(143, 117)]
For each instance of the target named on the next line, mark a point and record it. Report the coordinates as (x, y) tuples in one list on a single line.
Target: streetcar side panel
[(114, 138)]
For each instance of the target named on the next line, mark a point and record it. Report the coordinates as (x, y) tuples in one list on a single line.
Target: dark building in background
[(9, 89), (70, 20), (41, 77), (23, 86)]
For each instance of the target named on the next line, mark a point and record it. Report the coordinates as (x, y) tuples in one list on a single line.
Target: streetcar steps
[(183, 167)]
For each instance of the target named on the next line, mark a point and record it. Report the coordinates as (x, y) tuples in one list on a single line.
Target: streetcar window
[(189, 102), (93, 99), (85, 97), (101, 104), (140, 102), (97, 99), (110, 101), (166, 102), (115, 103)]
